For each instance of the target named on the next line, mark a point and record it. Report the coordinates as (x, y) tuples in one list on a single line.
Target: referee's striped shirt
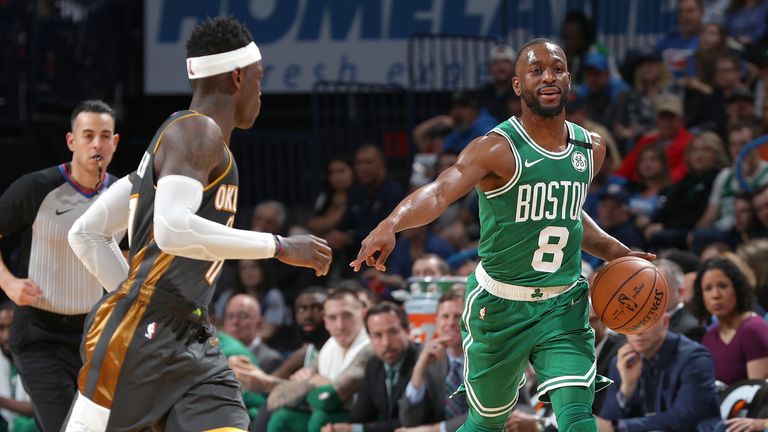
[(44, 205)]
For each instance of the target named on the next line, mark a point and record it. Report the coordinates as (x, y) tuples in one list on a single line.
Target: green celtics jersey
[(530, 228)]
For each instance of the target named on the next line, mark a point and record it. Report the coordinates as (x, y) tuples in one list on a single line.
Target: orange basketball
[(629, 295)]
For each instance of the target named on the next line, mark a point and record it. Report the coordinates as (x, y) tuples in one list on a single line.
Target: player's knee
[(576, 417)]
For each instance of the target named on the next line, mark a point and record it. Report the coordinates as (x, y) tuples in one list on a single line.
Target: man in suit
[(437, 374), (662, 381), (242, 319), (681, 321), (386, 374)]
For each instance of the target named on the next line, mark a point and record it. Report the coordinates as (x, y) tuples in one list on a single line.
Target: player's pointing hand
[(381, 240)]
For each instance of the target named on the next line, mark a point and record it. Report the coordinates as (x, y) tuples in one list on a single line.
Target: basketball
[(629, 295)]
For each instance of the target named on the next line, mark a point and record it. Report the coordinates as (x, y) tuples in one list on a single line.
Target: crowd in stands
[(339, 354)]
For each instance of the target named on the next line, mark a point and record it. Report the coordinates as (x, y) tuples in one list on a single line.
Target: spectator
[(662, 381), (330, 383), (579, 38), (412, 244), (701, 66), (684, 202), (760, 205), (703, 77), (15, 407), (603, 94), (469, 121), (494, 96), (614, 217), (254, 279), (371, 199), (430, 265), (676, 47), (746, 20), (607, 343), (741, 106), (332, 201), (576, 112), (739, 340), (689, 263), (745, 223), (755, 255), (242, 320), (312, 334), (680, 320), (270, 217), (437, 374), (670, 134), (651, 79), (653, 175), (386, 374), (717, 222)]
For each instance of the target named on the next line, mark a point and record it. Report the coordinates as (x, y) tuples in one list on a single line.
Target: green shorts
[(502, 336)]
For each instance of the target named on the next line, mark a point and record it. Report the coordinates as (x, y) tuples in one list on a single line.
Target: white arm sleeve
[(179, 231), (92, 236)]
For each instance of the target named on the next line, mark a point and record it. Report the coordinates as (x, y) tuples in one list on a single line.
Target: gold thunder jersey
[(150, 268)]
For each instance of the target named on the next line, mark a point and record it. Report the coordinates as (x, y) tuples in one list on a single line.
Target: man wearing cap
[(670, 134), (603, 94), (495, 95), (151, 359), (469, 121), (740, 106), (614, 217)]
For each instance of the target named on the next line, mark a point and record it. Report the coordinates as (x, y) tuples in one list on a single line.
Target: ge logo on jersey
[(579, 162)]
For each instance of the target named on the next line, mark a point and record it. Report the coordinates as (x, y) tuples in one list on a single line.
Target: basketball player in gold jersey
[(150, 358)]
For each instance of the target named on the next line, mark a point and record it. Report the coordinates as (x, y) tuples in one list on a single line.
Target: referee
[(52, 289)]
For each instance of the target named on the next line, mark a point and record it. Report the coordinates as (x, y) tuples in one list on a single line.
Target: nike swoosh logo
[(61, 212), (529, 164)]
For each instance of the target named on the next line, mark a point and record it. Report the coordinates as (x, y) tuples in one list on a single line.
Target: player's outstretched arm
[(479, 160), (92, 236), (191, 155)]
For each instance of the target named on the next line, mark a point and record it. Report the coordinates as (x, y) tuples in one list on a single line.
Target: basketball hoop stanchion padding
[(759, 142), (421, 308)]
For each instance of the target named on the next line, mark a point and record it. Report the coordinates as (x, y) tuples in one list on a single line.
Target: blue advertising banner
[(305, 41)]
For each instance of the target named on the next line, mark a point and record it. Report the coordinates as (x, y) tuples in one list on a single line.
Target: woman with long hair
[(738, 341)]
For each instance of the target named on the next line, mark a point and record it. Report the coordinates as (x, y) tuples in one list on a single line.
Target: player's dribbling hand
[(381, 240), (23, 292), (644, 255), (306, 251)]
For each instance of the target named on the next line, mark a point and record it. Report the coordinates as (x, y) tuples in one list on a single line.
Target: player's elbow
[(166, 237)]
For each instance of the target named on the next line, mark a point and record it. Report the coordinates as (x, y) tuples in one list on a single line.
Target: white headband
[(214, 64)]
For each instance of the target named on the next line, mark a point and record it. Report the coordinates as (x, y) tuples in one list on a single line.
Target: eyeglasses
[(241, 316)]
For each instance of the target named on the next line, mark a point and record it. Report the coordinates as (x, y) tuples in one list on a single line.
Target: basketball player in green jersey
[(526, 301)]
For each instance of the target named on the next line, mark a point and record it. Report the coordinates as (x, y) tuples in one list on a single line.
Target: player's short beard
[(533, 104), (317, 337)]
